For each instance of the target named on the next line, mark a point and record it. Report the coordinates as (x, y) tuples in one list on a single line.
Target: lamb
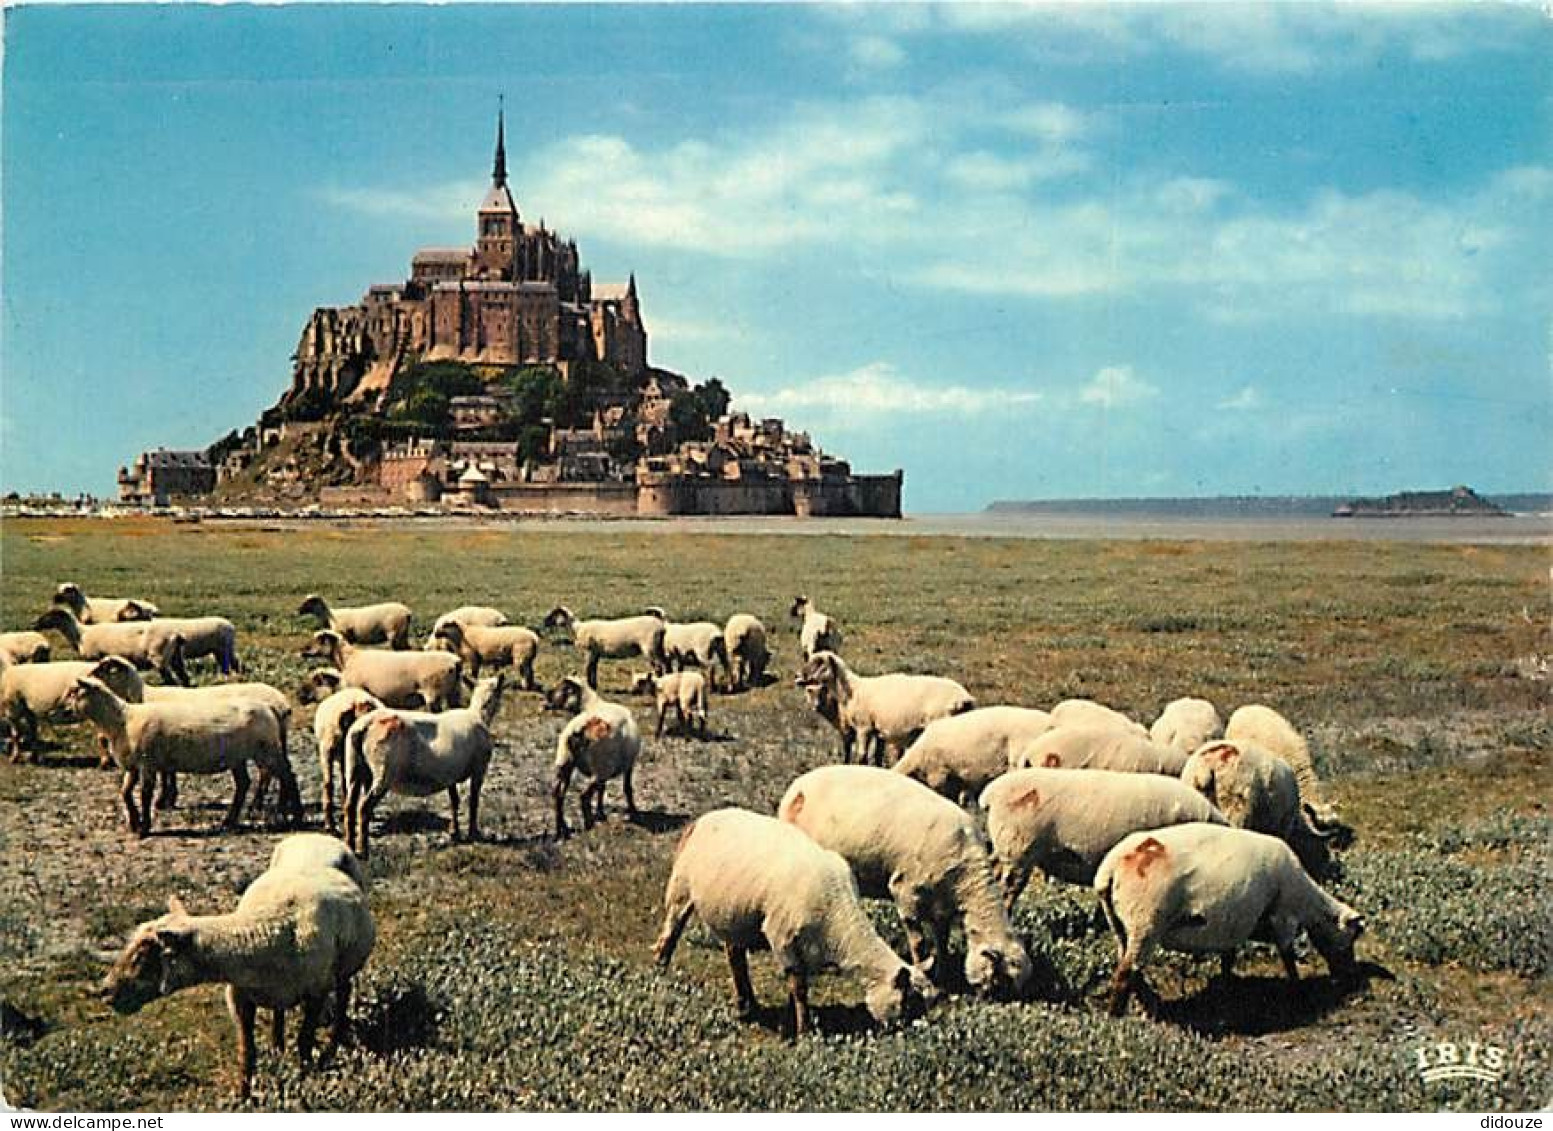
[(1086, 712), (1185, 724), (24, 647), (614, 639), (387, 622), (410, 680), (758, 882), (602, 741), (1262, 726), (1065, 821), (29, 692), (300, 933), (497, 645), (744, 640), (905, 842), (890, 710), (1256, 790), (466, 615), (146, 644), (331, 722), (697, 644), (198, 735), (417, 753), (959, 755), (685, 692), (1103, 747), (1209, 888), (819, 632), (102, 610)]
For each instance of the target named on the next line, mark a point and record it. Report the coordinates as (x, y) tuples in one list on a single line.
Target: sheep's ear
[(175, 906)]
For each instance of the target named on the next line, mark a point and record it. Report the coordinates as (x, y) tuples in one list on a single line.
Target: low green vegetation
[(516, 972)]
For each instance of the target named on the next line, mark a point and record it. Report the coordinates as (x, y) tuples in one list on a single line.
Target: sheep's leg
[(341, 1027), (239, 793), (563, 778), (1133, 957), (369, 804), (663, 713), (453, 801), (328, 805), (526, 670), (1014, 882), (1227, 965), (290, 793), (744, 1000), (630, 791), (798, 990), (278, 1029), (243, 1012), (476, 782), (592, 674), (592, 803), (1291, 966), (127, 796), (312, 1013), (261, 792), (167, 790), (147, 781)]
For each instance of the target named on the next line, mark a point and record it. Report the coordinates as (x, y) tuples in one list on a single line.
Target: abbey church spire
[(499, 173)]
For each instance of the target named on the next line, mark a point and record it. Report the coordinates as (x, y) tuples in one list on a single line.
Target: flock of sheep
[(1196, 835)]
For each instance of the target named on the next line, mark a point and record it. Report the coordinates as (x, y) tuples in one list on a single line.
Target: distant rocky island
[(1457, 501), (1461, 502)]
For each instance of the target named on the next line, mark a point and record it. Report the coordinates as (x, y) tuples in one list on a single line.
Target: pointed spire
[(631, 285), (499, 173)]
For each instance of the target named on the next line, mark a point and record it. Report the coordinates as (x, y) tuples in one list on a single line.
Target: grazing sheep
[(887, 710), (614, 639), (744, 641), (824, 704), (818, 633), (1262, 726), (300, 933), (601, 741), (1086, 712), (24, 647), (1185, 724), (695, 644), (1256, 790), (1104, 747), (683, 691), (1209, 888), (417, 753), (198, 735), (387, 622), (467, 615), (905, 842), (756, 883), (331, 721), (315, 850), (146, 644), (499, 646), (102, 610), (409, 680), (1065, 821), (29, 692), (959, 755)]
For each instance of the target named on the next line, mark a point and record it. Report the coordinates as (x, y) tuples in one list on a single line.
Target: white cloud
[(878, 389), (1116, 386), (876, 52), (1246, 399), (452, 199)]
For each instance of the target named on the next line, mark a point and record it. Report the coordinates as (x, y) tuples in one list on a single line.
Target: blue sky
[(1073, 250)]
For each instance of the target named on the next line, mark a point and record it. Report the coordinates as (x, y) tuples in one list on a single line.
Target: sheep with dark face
[(387, 622), (601, 742), (497, 646), (154, 644), (24, 647), (1209, 889), (102, 610), (618, 639), (889, 711), (409, 680), (683, 692), (31, 692), (819, 632), (696, 644)]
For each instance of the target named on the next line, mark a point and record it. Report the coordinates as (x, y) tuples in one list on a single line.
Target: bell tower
[(499, 224)]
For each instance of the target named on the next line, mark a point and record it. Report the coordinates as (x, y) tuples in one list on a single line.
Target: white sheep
[(959, 755), (602, 742), (387, 622), (1065, 821), (102, 610), (331, 722), (317, 850), (1262, 726), (885, 710), (1208, 889), (1256, 790), (299, 935), (409, 680), (613, 639), (685, 692), (1185, 724), (1086, 712), (744, 640), (756, 883), (199, 735), (416, 753), (905, 842), (818, 633), (823, 703), (1104, 747), (146, 644), (24, 647), (466, 615), (30, 692), (496, 645), (695, 644)]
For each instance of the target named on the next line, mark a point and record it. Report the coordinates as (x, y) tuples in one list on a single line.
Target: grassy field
[(515, 973)]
